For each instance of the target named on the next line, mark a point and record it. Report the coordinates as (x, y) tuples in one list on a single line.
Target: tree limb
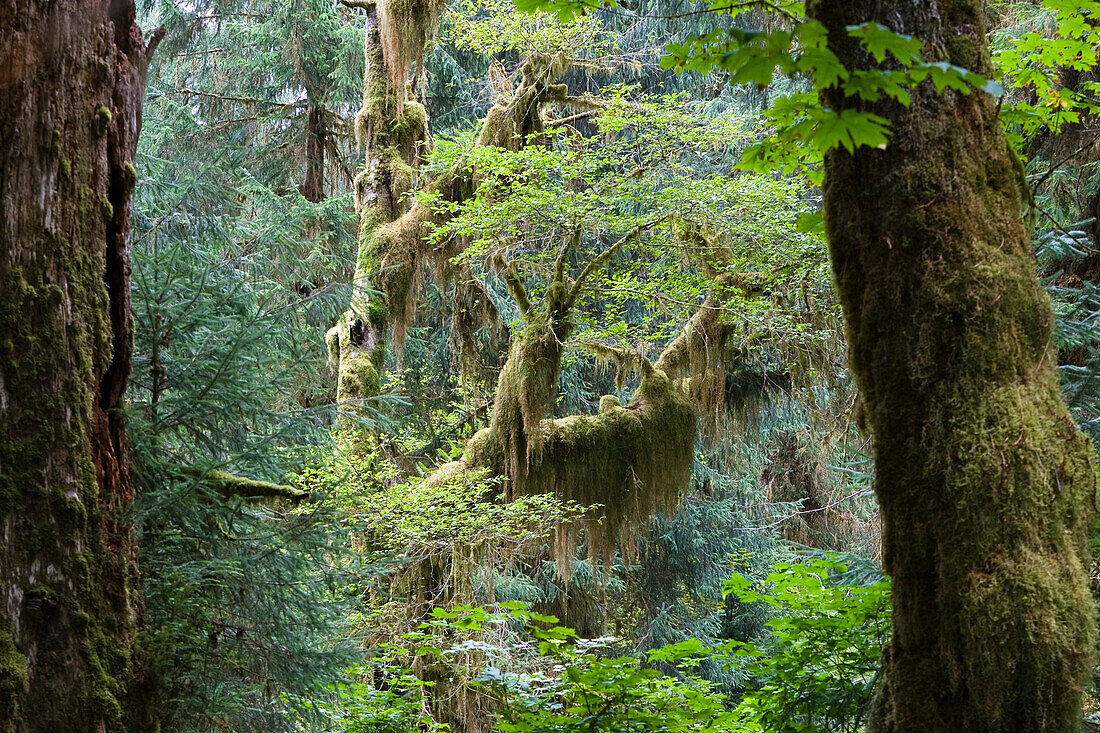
[(601, 259), (229, 485)]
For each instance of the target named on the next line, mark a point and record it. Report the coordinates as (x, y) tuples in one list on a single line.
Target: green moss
[(42, 591), (101, 120), (630, 461), (107, 209), (359, 379), (984, 483), (65, 168), (608, 402), (13, 676), (49, 466), (410, 127), (376, 315), (101, 662), (230, 485)]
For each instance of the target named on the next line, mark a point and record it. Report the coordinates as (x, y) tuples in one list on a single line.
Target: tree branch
[(229, 485), (601, 259), (516, 288)]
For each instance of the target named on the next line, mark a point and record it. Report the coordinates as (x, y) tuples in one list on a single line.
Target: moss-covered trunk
[(985, 484), (392, 130), (394, 249), (71, 87)]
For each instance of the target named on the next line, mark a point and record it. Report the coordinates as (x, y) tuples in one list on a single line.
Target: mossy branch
[(571, 243), (229, 485), (704, 330), (516, 288), (626, 361)]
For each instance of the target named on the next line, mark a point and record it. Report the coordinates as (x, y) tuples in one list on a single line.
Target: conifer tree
[(72, 80)]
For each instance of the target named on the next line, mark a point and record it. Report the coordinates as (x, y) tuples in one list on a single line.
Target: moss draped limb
[(230, 485)]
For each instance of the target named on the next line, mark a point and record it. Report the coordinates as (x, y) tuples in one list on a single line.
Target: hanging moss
[(516, 120), (632, 461), (395, 252), (407, 26), (796, 473)]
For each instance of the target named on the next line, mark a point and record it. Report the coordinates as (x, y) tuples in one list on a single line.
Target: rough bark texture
[(985, 484), (71, 87), (313, 188)]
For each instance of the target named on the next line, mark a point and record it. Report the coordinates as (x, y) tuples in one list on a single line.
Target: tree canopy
[(554, 365)]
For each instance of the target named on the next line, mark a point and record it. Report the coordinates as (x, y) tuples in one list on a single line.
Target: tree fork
[(394, 247), (986, 487)]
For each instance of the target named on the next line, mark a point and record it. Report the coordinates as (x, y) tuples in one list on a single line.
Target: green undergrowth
[(815, 672)]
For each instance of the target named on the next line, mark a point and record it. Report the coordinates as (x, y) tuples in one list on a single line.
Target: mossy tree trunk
[(986, 486), (71, 86), (394, 246), (392, 130)]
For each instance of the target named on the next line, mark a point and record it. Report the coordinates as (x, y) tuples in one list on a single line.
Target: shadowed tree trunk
[(985, 484), (313, 188), (71, 86)]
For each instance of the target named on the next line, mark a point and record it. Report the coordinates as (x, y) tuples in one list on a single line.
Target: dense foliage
[(318, 562)]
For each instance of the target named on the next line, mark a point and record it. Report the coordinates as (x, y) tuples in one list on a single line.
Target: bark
[(986, 486), (313, 189), (392, 131), (71, 87)]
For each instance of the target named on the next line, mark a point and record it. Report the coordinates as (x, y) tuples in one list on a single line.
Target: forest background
[(328, 544)]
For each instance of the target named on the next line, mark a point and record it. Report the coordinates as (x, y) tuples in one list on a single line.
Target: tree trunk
[(71, 87), (985, 484), (313, 189)]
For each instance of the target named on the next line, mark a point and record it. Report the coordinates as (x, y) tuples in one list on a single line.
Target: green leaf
[(812, 223), (880, 40)]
